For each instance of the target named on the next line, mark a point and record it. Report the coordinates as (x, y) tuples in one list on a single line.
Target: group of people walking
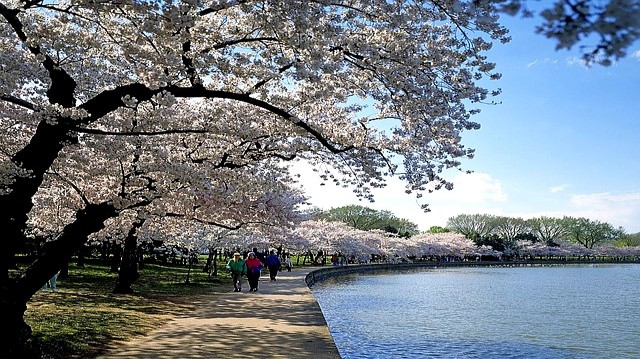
[(252, 267)]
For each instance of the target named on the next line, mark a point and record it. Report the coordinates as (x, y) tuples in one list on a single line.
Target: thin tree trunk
[(190, 261), (128, 273), (116, 249), (215, 262)]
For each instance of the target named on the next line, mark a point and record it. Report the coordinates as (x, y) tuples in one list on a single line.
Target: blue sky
[(565, 140)]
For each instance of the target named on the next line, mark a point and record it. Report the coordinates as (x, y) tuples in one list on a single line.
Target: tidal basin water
[(573, 311)]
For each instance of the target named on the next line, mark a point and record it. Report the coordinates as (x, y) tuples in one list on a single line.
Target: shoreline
[(324, 273), (282, 320)]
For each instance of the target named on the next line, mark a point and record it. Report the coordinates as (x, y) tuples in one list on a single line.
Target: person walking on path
[(288, 263), (286, 318), (254, 266), (238, 268), (273, 264)]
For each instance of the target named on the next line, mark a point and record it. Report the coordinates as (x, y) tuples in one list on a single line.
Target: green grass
[(83, 319)]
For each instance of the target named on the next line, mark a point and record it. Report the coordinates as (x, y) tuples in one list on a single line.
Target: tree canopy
[(506, 231), (366, 219), (125, 106)]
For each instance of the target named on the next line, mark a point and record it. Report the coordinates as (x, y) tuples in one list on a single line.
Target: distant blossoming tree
[(337, 237)]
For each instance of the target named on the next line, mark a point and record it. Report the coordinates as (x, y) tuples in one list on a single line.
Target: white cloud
[(542, 62), (616, 209), (472, 193), (636, 54), (601, 200), (470, 189), (560, 188), (473, 188)]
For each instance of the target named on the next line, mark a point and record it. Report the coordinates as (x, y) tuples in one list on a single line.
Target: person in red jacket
[(254, 266)]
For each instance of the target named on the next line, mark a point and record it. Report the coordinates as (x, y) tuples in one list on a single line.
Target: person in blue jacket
[(273, 264)]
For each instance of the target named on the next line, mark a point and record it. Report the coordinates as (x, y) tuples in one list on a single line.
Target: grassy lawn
[(83, 319)]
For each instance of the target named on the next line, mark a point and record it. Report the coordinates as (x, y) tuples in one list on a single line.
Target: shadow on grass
[(83, 318)]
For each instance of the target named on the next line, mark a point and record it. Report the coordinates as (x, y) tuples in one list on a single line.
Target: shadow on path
[(281, 320)]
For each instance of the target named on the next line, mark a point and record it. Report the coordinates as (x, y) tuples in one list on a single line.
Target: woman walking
[(238, 268), (254, 266)]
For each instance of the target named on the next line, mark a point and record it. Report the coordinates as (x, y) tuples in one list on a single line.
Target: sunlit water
[(575, 311)]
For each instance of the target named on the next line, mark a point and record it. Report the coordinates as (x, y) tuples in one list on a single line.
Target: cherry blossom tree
[(454, 245), (235, 197), (336, 237), (603, 30), (225, 84), (617, 253), (560, 250), (187, 220), (292, 240), (531, 250)]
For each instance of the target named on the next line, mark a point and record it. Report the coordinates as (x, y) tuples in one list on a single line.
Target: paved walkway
[(281, 320)]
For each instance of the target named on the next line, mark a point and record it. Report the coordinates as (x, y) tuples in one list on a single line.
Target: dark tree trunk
[(15, 294), (104, 249), (64, 272), (208, 267), (82, 255), (212, 266), (140, 253), (117, 257), (215, 262), (16, 202), (190, 261), (35, 158), (128, 273)]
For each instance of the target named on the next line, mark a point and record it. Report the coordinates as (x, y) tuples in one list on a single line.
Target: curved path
[(281, 320)]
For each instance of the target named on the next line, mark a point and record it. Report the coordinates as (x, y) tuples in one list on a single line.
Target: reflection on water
[(575, 311)]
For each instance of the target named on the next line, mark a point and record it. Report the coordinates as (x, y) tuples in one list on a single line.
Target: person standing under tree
[(254, 266), (273, 263), (52, 283), (288, 263), (238, 268)]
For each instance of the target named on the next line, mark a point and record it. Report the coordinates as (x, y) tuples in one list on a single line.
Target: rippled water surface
[(575, 311)]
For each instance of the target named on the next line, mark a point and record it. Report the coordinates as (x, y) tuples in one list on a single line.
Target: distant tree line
[(498, 232), (502, 233), (366, 219)]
